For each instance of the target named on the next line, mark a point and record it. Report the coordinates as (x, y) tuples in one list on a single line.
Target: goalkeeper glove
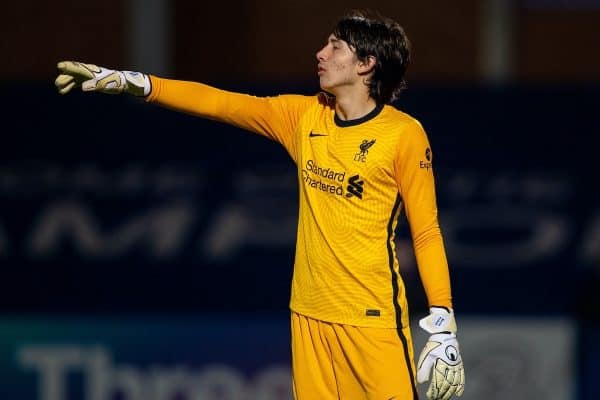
[(93, 78), (440, 359)]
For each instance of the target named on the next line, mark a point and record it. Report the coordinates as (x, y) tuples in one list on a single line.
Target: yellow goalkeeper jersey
[(354, 179)]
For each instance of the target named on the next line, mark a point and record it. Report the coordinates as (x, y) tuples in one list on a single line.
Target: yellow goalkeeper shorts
[(333, 362)]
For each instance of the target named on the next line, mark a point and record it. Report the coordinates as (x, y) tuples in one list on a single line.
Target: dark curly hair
[(370, 34)]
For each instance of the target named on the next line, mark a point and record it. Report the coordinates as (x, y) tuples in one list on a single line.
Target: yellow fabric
[(332, 361), (346, 270)]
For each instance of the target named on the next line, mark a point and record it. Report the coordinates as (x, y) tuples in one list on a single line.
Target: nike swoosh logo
[(312, 134)]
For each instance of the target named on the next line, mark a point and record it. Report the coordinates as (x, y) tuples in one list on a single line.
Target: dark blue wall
[(84, 178), (111, 206)]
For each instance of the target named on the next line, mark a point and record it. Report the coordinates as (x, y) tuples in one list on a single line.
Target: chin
[(324, 86)]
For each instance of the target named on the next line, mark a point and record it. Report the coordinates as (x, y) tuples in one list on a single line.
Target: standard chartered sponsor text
[(324, 179)]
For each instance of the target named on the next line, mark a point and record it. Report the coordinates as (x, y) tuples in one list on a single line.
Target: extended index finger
[(79, 71)]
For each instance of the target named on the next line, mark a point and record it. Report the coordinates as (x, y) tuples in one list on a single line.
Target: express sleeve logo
[(428, 156)]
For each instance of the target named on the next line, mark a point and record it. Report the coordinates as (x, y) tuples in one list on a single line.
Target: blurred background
[(147, 254)]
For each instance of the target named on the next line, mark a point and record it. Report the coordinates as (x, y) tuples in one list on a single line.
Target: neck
[(353, 106)]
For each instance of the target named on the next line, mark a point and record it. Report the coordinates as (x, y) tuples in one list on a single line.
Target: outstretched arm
[(275, 117)]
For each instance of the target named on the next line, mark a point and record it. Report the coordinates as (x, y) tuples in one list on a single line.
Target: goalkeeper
[(360, 163)]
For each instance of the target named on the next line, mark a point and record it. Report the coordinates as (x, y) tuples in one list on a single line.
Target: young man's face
[(338, 65)]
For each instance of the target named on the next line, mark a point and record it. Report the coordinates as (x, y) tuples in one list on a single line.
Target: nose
[(321, 54)]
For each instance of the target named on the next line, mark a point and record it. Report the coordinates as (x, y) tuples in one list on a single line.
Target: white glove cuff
[(138, 84), (439, 320)]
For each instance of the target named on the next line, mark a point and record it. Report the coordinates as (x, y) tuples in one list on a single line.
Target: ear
[(365, 67)]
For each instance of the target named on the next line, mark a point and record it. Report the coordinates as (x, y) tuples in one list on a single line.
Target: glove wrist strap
[(137, 84), (439, 321)]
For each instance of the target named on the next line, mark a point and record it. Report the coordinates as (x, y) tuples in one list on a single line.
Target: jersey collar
[(352, 122)]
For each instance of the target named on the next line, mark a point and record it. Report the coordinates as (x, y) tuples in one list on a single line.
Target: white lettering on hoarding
[(161, 230), (104, 380), (520, 218)]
